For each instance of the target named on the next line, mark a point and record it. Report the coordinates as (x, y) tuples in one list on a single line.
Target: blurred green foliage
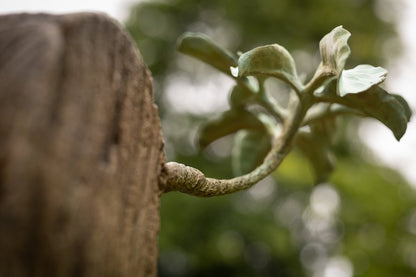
[(362, 223), (242, 25)]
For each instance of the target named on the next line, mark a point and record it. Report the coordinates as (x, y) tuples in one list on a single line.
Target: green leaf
[(360, 78), (227, 123), (249, 150), (203, 48), (241, 96), (319, 154), (269, 60), (405, 105), (391, 110), (381, 105), (334, 51)]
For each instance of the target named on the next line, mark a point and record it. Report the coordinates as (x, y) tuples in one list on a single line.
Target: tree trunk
[(80, 149)]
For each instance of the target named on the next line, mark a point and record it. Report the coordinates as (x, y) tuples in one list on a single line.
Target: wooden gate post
[(80, 149)]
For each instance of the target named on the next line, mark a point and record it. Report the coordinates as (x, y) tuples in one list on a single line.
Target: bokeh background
[(361, 223)]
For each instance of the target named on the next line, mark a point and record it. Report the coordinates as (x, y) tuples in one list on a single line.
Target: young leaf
[(334, 50), (360, 78), (249, 150), (203, 48), (227, 123), (269, 60)]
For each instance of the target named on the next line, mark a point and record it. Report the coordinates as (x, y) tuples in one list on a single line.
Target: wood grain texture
[(80, 149)]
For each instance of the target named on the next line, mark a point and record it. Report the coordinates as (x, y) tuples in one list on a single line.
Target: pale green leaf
[(203, 48), (334, 50), (360, 78), (249, 150), (227, 123), (269, 60)]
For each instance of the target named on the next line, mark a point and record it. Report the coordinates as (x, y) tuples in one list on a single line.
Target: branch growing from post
[(334, 90), (186, 179)]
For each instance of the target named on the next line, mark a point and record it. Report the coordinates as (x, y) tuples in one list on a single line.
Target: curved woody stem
[(179, 177)]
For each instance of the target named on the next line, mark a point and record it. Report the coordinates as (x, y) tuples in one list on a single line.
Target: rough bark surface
[(80, 149)]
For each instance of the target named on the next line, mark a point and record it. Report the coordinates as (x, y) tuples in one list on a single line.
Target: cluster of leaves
[(192, 228), (332, 91)]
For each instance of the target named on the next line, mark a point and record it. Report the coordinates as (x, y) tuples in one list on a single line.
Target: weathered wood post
[(80, 149)]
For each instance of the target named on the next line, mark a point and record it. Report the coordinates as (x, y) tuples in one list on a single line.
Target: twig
[(179, 177)]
